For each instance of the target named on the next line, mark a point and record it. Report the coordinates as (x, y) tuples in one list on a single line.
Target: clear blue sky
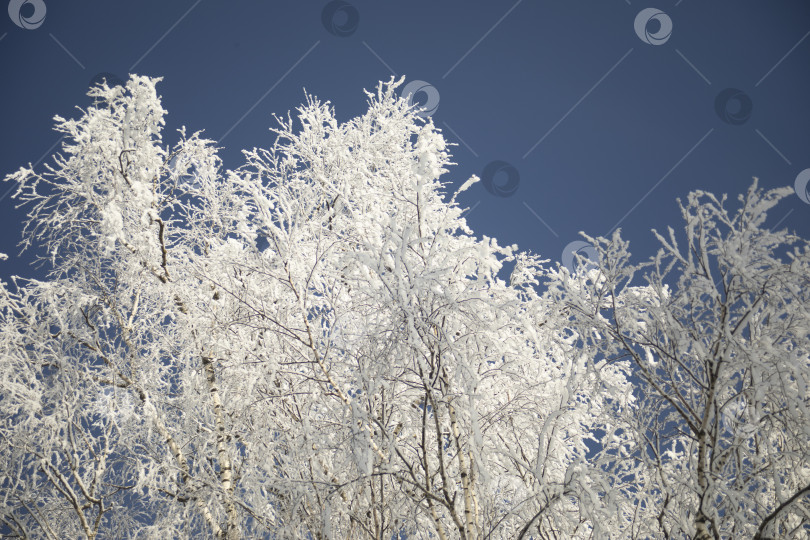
[(606, 112)]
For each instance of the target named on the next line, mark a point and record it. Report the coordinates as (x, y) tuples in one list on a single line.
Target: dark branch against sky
[(578, 116)]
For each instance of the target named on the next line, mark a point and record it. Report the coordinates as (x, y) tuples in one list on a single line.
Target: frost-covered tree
[(313, 345), (717, 327)]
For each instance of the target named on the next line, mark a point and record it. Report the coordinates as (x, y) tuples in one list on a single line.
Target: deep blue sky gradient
[(602, 128)]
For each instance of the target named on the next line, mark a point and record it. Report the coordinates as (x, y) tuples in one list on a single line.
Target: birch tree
[(313, 345), (717, 327)]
